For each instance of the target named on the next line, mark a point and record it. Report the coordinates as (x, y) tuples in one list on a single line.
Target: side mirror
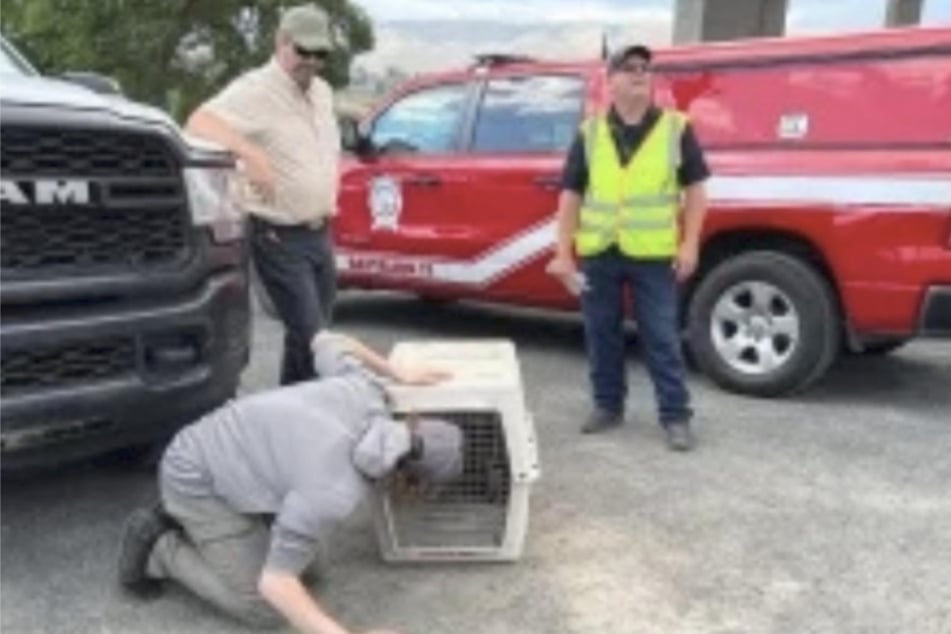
[(96, 82), (397, 147), (352, 138)]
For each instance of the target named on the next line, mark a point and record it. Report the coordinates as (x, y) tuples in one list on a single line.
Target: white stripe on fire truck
[(537, 240), (843, 190), (534, 242)]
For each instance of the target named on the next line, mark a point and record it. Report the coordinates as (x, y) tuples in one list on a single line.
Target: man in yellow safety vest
[(632, 209)]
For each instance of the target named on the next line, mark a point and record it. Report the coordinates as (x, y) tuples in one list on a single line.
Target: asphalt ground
[(827, 512)]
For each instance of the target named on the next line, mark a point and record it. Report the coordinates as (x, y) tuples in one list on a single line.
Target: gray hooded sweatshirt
[(305, 453)]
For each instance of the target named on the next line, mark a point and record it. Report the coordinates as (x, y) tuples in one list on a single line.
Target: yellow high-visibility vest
[(635, 206)]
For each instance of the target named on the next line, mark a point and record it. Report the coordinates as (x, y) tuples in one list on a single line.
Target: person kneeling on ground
[(303, 456)]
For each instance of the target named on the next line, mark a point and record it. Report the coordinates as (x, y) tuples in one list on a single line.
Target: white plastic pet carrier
[(483, 515)]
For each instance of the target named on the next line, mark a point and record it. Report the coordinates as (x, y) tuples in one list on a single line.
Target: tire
[(436, 301), (141, 457), (764, 324), (260, 294), (881, 348)]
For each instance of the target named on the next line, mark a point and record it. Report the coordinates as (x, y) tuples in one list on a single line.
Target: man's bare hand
[(418, 375), (685, 264), (260, 174), (561, 267), (566, 271)]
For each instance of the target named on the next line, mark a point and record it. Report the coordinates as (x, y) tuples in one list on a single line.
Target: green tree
[(170, 53)]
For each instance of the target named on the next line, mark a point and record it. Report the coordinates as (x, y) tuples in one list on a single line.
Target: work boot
[(679, 436), (602, 420), (142, 529)]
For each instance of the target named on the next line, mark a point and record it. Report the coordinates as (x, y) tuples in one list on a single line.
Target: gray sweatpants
[(219, 556)]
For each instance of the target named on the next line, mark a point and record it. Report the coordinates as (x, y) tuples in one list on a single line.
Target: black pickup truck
[(124, 281)]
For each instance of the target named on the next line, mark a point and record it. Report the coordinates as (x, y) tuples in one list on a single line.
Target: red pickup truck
[(830, 200)]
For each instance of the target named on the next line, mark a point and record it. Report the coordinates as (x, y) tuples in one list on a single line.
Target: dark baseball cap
[(619, 58)]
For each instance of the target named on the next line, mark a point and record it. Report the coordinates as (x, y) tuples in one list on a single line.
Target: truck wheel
[(764, 324), (435, 301), (141, 457), (881, 348), (260, 294)]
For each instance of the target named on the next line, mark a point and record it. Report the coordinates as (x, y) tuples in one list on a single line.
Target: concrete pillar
[(902, 12), (712, 20)]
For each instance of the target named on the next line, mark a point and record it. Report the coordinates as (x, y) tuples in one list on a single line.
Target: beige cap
[(308, 27), (442, 451)]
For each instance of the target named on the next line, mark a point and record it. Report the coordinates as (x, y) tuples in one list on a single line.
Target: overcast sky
[(425, 35)]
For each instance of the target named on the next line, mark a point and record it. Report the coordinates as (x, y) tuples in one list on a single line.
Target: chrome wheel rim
[(755, 328)]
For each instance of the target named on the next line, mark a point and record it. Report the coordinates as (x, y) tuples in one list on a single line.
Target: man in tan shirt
[(279, 121)]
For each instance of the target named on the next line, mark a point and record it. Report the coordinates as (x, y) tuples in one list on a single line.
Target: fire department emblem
[(386, 203)]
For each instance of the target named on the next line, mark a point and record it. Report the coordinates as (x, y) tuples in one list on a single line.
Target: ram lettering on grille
[(85, 202)]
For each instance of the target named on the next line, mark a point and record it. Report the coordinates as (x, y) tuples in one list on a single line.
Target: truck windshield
[(11, 62)]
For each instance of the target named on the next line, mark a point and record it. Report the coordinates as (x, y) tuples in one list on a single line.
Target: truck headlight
[(213, 203)]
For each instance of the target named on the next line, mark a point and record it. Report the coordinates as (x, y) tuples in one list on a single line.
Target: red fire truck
[(830, 200)]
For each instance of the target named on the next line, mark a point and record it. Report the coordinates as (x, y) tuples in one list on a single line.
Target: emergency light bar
[(502, 59)]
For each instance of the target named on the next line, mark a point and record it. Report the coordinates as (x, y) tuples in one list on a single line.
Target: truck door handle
[(424, 180), (549, 182)]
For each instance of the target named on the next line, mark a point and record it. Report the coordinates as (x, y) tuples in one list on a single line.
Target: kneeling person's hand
[(420, 375)]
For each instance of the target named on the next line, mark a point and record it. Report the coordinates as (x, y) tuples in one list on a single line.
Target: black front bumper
[(185, 354), (936, 312)]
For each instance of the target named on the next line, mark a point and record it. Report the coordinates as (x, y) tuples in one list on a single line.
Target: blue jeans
[(296, 266), (653, 287)]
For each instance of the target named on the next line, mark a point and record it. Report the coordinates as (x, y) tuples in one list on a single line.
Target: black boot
[(142, 529), (601, 420), (679, 436)]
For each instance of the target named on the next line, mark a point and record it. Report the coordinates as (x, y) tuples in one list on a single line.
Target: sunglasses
[(320, 54), (635, 69)]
